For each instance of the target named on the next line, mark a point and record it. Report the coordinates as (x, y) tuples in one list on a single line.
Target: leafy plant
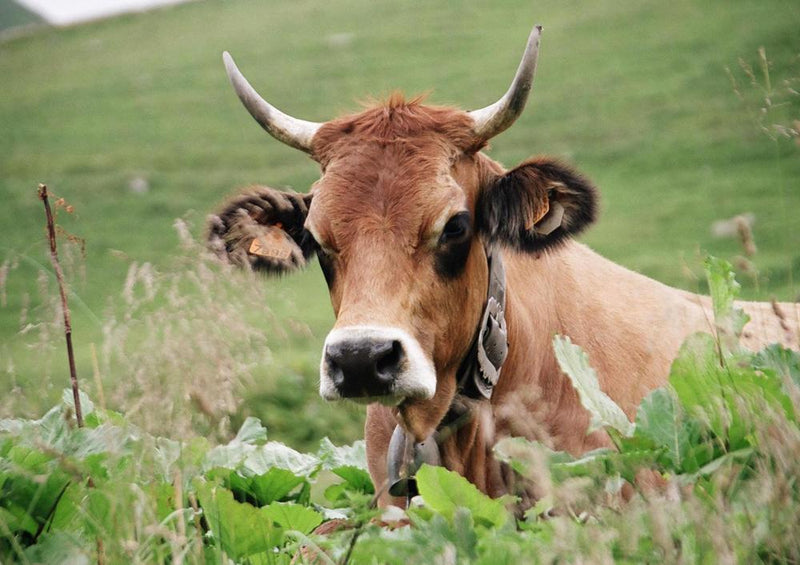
[(708, 470)]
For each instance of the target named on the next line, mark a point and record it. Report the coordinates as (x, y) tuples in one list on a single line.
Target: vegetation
[(683, 117), (133, 121), (721, 445)]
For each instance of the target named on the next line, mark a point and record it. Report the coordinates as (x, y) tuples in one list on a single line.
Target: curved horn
[(492, 120), (284, 128)]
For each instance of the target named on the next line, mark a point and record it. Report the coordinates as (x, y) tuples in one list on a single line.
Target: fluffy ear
[(537, 205), (262, 228)]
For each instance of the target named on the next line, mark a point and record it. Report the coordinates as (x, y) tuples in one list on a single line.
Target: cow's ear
[(537, 205), (262, 228)]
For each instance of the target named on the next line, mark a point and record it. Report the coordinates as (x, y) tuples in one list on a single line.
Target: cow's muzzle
[(374, 363)]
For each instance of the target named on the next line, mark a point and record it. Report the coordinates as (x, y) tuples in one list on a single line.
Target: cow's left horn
[(492, 120), (291, 131)]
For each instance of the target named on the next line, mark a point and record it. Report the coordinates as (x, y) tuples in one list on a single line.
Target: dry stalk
[(73, 376), (51, 234)]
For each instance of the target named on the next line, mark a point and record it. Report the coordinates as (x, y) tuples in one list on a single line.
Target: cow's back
[(771, 322)]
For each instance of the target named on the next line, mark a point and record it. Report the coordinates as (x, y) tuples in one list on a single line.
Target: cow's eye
[(456, 228)]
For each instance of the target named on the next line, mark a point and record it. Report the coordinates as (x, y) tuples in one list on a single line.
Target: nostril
[(363, 367), (387, 364), (334, 370)]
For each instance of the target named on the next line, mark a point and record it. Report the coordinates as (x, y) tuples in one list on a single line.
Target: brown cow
[(410, 221)]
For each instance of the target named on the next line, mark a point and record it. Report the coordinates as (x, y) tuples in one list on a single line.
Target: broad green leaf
[(241, 529), (728, 400), (660, 419), (696, 376), (740, 455), (12, 426), (170, 456), (598, 464), (103, 440), (256, 460), (722, 284), (444, 491), (604, 411), (292, 516), (162, 499), (357, 479), (251, 432), (259, 490), (69, 514), (728, 319), (274, 485), (101, 507), (332, 456), (31, 485), (336, 493), (348, 462), (15, 519), (783, 361), (275, 454)]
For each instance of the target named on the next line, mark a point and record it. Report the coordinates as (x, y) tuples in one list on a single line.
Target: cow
[(449, 276)]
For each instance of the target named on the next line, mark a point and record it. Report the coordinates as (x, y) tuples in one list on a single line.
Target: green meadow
[(669, 107)]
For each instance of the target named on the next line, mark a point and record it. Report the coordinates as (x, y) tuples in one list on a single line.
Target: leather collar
[(477, 376), (480, 369)]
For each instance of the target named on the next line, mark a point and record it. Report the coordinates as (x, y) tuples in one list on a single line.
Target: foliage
[(604, 412), (133, 119), (152, 499), (707, 471)]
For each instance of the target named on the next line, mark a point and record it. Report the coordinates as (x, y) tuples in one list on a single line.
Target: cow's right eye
[(456, 228)]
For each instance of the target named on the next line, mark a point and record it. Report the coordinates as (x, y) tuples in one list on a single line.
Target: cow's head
[(400, 220)]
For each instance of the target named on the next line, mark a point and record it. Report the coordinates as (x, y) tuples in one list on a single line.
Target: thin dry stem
[(51, 233)]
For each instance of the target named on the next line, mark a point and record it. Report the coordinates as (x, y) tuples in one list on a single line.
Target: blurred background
[(685, 114)]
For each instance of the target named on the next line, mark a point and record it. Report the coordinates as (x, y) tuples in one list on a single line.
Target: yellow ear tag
[(537, 214), (271, 244)]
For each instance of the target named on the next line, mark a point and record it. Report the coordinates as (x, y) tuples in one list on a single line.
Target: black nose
[(364, 366)]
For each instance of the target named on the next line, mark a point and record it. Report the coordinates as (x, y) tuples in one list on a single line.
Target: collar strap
[(480, 370)]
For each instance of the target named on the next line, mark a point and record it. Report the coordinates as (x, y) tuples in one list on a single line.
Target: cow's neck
[(630, 326)]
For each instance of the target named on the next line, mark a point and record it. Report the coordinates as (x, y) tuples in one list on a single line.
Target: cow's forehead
[(389, 170), (396, 120), (397, 189)]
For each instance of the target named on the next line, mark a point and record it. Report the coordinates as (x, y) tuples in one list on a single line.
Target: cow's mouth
[(375, 364)]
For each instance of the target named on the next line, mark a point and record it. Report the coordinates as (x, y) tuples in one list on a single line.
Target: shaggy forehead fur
[(389, 168), (398, 121)]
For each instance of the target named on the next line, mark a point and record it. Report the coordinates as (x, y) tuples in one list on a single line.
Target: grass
[(13, 15), (635, 95)]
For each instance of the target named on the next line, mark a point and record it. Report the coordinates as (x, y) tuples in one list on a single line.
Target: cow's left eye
[(456, 228)]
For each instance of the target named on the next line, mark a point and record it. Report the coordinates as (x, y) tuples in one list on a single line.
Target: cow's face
[(399, 221), (394, 220)]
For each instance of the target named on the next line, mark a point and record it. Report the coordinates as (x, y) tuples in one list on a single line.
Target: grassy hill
[(133, 122)]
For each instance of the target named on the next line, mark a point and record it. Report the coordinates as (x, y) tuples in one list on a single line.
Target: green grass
[(636, 95)]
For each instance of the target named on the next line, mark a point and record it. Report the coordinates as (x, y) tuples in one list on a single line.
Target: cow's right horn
[(291, 131), (494, 119)]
